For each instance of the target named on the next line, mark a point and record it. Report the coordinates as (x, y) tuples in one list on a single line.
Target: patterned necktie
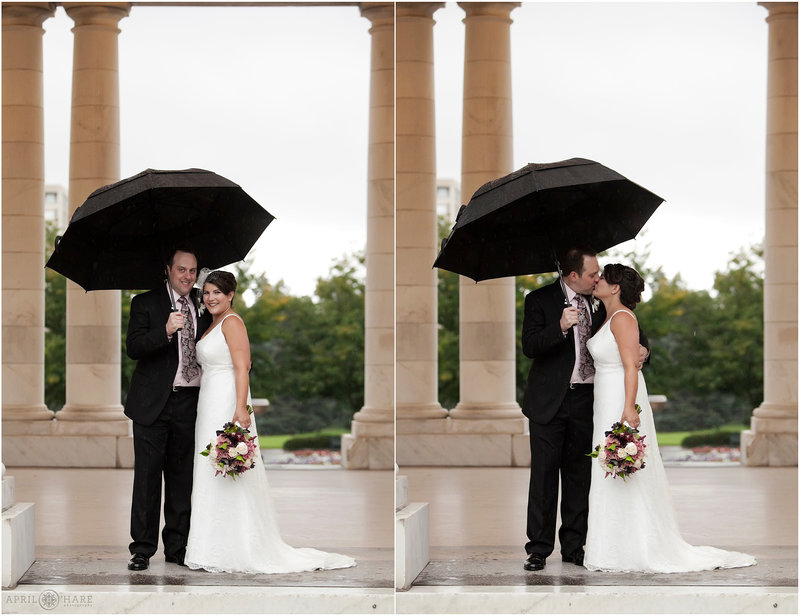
[(190, 367), (585, 364)]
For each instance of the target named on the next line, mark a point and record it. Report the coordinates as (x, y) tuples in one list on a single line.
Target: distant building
[(56, 206), (448, 198)]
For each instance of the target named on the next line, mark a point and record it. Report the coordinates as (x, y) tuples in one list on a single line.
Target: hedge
[(724, 438)]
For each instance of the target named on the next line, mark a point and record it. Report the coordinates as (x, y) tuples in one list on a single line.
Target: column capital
[(780, 10), (105, 15), (418, 9), (489, 9), (381, 14), (27, 13)]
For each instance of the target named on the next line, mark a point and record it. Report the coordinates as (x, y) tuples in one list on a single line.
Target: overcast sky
[(276, 99), (671, 95)]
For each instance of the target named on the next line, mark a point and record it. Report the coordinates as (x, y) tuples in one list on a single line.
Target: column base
[(501, 410), (74, 412), (367, 453), (771, 410), (462, 442), (769, 448), (75, 444), (37, 412), (420, 411)]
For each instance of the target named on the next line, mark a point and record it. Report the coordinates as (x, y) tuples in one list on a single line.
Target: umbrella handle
[(172, 301), (560, 277)]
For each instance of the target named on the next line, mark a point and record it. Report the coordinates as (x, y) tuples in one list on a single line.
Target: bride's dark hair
[(224, 281), (631, 284)]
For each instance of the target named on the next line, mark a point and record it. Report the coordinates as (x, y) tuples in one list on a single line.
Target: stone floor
[(82, 532), (477, 535)]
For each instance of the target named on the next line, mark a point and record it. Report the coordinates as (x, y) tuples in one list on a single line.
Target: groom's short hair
[(572, 259), (177, 249)]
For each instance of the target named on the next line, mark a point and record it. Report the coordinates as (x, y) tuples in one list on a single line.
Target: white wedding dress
[(632, 524), (233, 524)]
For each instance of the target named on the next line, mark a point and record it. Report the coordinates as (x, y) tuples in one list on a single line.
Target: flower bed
[(316, 457)]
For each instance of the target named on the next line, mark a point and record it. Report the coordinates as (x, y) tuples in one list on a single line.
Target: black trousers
[(559, 448), (164, 449)]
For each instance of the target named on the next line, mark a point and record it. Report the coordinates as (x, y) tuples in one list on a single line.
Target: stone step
[(597, 600), (412, 543), (9, 498), (146, 599), (18, 542), (400, 492)]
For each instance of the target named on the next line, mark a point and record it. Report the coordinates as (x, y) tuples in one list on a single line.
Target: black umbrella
[(121, 235), (517, 224)]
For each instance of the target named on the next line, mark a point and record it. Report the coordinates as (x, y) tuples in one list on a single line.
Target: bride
[(233, 527), (632, 524)]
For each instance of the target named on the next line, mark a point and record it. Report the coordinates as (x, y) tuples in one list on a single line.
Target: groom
[(558, 402), (162, 402)]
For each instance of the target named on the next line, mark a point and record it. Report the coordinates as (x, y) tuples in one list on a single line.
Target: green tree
[(308, 353), (447, 300), (55, 339)]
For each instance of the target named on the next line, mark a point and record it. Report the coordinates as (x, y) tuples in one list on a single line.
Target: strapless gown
[(632, 525), (233, 524)]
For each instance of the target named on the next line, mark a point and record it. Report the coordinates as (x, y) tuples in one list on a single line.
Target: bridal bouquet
[(623, 451), (233, 452)]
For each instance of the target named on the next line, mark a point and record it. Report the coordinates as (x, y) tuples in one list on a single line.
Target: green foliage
[(707, 347), (308, 353), (55, 339), (447, 299), (724, 438)]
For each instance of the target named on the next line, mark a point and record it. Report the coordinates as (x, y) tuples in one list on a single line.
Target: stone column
[(23, 213), (371, 441), (418, 408), (772, 438), (487, 317), (93, 319)]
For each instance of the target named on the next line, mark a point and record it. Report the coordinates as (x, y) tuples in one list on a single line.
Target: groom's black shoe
[(178, 560), (534, 562), (576, 557), (138, 562)]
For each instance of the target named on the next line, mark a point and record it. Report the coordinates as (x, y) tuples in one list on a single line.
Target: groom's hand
[(568, 318), (643, 353), (174, 323)]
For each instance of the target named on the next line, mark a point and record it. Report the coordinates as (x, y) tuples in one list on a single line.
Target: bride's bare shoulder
[(624, 325)]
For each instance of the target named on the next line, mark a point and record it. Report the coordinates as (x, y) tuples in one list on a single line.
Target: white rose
[(241, 448), (638, 463), (621, 453), (631, 449)]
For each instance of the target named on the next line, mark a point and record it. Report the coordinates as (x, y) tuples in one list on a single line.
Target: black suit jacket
[(553, 353), (156, 356)]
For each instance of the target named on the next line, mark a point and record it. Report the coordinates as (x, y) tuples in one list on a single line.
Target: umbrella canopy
[(123, 233), (514, 225)]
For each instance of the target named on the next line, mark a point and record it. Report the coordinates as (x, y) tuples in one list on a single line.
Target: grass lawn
[(276, 441), (676, 438)]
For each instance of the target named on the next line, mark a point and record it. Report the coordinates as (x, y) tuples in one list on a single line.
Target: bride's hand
[(242, 417), (631, 417)]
